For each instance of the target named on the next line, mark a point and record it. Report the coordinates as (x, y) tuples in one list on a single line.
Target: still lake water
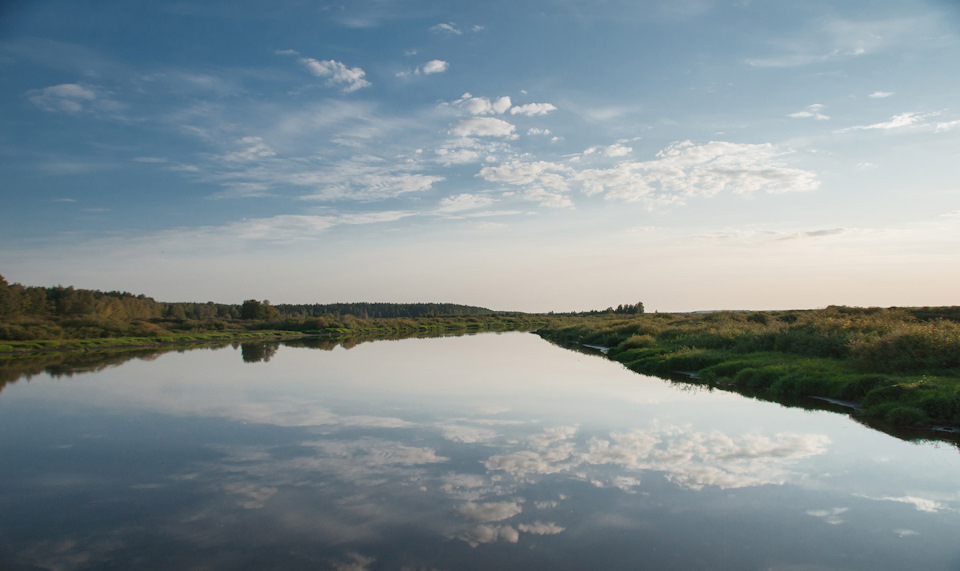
[(475, 452)]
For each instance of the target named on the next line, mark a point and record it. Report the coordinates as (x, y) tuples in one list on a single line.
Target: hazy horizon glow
[(534, 156)]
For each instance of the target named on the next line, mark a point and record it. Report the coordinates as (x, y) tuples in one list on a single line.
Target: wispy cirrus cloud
[(901, 121), (837, 39), (811, 112), (465, 201), (71, 98)]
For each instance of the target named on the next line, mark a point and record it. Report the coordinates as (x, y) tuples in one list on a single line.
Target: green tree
[(251, 309)]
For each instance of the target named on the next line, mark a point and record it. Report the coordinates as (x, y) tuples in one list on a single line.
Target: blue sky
[(535, 156)]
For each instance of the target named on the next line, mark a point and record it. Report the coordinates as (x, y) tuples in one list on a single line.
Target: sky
[(531, 156)]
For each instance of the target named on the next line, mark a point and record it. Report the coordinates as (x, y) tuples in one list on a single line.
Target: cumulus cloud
[(492, 511), (483, 127), (531, 109), (617, 150), (880, 94), (538, 131), (435, 66), (352, 78), (482, 105), (812, 112)]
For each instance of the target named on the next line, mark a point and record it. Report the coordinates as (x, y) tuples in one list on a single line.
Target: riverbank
[(265, 330), (898, 366)]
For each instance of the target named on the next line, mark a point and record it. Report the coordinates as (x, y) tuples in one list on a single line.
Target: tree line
[(36, 312)]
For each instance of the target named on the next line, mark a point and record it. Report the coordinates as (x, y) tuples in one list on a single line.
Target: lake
[(472, 452)]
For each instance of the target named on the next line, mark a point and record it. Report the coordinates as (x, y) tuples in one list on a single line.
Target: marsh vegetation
[(898, 365)]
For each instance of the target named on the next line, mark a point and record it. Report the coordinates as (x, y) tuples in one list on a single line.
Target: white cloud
[(552, 435), (617, 150), (463, 202), (483, 127), (467, 434), (448, 28), (255, 149), (488, 534), (369, 185), (429, 68), (286, 52), (523, 463), (337, 73), (900, 121), (538, 131), (457, 156), (501, 104), (948, 125), (812, 111), (68, 98), (831, 516), (492, 511), (540, 173), (921, 504), (880, 94), (435, 66), (482, 105), (685, 169), (680, 171), (531, 109), (538, 528)]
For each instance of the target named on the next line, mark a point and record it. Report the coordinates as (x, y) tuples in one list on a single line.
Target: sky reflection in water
[(461, 452)]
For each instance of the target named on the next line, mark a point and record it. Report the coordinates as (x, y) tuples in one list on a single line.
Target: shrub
[(638, 342)]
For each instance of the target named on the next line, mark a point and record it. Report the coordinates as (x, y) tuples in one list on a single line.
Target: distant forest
[(32, 312)]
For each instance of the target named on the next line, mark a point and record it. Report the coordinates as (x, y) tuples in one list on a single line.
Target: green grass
[(902, 366)]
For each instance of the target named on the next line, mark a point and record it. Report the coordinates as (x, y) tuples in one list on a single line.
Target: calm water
[(485, 451)]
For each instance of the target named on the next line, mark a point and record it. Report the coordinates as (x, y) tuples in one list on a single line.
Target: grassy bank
[(899, 365), (185, 332)]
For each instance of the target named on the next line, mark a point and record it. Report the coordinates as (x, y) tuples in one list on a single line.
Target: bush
[(638, 342)]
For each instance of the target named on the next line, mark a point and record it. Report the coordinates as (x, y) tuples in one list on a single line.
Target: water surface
[(484, 451)]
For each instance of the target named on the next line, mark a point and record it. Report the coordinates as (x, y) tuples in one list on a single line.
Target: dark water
[(478, 452)]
